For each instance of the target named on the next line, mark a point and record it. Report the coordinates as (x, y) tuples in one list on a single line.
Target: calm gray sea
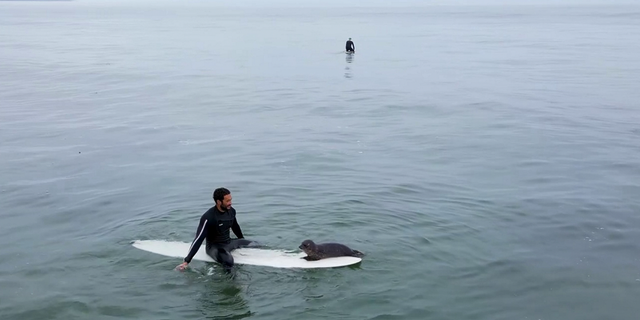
[(486, 158)]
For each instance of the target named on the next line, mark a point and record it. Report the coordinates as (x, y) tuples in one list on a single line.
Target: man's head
[(222, 197)]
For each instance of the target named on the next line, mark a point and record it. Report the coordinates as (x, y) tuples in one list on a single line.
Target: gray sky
[(375, 3)]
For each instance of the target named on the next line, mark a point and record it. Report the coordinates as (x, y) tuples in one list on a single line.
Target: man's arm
[(201, 234), (236, 229)]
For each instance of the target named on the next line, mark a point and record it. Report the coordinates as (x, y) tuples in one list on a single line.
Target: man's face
[(226, 202)]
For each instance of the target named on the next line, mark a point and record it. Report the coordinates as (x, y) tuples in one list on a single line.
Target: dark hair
[(219, 193)]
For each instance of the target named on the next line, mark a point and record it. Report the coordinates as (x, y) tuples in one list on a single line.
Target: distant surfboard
[(247, 256)]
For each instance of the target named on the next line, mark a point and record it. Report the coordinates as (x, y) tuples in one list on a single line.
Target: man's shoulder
[(207, 214)]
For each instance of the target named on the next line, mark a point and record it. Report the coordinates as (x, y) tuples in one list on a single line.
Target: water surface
[(484, 157)]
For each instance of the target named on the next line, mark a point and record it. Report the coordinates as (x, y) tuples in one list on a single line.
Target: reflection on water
[(223, 297), (347, 69)]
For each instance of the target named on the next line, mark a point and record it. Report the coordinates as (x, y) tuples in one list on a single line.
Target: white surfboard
[(248, 256)]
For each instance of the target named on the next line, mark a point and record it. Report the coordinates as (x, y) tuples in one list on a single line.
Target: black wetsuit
[(350, 46), (214, 226)]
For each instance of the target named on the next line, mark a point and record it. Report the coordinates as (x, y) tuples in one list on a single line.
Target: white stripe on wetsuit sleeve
[(199, 235)]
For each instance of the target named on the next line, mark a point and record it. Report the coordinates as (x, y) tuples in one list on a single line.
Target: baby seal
[(327, 250)]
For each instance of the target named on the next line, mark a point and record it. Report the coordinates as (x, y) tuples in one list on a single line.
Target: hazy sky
[(373, 3)]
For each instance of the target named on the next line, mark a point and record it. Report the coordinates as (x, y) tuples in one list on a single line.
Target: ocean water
[(484, 156)]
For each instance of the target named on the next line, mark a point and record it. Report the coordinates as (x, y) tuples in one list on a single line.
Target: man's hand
[(182, 266)]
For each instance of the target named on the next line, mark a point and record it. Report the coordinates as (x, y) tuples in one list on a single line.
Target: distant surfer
[(351, 48), (214, 226)]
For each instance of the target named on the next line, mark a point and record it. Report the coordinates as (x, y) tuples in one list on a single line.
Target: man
[(214, 226), (350, 46)]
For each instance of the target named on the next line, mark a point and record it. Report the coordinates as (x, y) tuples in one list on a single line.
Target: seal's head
[(308, 246)]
